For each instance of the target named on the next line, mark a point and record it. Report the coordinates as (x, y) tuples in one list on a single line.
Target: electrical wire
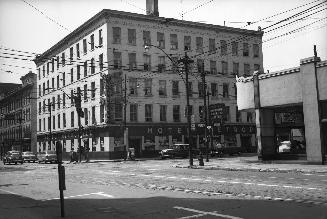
[(49, 18)]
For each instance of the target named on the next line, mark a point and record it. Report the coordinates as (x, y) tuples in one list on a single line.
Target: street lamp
[(186, 61)]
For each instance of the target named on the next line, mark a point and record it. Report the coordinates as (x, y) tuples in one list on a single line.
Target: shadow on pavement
[(14, 206)]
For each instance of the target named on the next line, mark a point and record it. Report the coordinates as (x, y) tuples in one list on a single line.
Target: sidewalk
[(251, 163)]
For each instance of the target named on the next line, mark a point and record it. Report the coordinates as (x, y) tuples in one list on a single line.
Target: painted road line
[(271, 185), (172, 177), (203, 213), (103, 194), (75, 196), (9, 192)]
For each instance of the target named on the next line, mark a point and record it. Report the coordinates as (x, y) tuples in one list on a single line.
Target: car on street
[(284, 147), (29, 156), (13, 157), (47, 156), (177, 150)]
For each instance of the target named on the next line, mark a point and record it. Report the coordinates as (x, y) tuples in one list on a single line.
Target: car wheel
[(4, 162), (21, 162), (15, 162), (39, 161)]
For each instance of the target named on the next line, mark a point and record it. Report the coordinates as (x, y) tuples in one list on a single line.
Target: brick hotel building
[(105, 60)]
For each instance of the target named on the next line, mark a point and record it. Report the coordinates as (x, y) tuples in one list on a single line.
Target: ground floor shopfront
[(108, 142), (15, 145), (291, 107)]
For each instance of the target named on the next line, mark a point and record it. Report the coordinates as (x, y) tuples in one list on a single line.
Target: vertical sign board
[(192, 123), (217, 113)]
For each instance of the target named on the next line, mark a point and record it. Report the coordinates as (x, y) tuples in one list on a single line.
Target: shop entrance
[(246, 144), (289, 130), (136, 144)]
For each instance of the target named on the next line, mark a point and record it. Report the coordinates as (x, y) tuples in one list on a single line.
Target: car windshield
[(28, 153), (180, 146), (51, 152), (14, 152)]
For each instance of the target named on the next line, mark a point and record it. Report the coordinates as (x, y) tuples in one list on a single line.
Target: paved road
[(155, 189)]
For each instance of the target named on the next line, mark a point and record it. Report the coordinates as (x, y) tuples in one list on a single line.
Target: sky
[(33, 26)]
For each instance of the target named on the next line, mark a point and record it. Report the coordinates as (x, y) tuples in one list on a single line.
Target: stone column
[(264, 119), (310, 111)]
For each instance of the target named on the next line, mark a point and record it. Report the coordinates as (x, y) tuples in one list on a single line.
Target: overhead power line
[(197, 7), (266, 18), (15, 50), (295, 15), (49, 18)]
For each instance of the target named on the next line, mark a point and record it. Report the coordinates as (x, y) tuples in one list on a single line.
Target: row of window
[(59, 121), (15, 103), (88, 68), (212, 45), (74, 56), (95, 141), (16, 133), (59, 100), (175, 88), (17, 118)]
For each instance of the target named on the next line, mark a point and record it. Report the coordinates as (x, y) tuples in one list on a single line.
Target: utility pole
[(205, 111), (210, 122), (125, 106), (21, 133), (80, 113), (50, 133), (186, 61)]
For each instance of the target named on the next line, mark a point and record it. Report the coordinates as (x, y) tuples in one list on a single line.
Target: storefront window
[(230, 140)]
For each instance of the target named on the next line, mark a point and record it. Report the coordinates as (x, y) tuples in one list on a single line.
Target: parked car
[(29, 156), (284, 147), (217, 150), (47, 156), (178, 150), (13, 157)]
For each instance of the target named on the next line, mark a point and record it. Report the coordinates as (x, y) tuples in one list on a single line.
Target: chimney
[(152, 8)]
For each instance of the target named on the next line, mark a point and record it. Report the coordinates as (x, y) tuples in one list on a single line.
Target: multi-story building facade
[(125, 86), (18, 116)]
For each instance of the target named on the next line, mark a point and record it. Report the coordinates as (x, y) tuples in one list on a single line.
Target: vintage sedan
[(13, 157), (29, 156), (47, 156), (178, 150)]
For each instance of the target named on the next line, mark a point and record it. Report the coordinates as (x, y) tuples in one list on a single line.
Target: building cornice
[(107, 13), (269, 75)]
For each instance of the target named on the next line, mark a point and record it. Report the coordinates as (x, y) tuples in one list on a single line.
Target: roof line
[(114, 13)]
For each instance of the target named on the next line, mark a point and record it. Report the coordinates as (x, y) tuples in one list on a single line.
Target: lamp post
[(186, 61)]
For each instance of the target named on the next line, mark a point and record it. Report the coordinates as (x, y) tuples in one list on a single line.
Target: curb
[(253, 169)]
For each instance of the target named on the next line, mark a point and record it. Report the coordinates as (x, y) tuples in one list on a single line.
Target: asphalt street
[(157, 189)]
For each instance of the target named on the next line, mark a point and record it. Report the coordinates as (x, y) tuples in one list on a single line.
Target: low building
[(291, 107), (18, 116)]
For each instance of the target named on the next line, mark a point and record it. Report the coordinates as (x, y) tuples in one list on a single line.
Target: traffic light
[(78, 105)]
